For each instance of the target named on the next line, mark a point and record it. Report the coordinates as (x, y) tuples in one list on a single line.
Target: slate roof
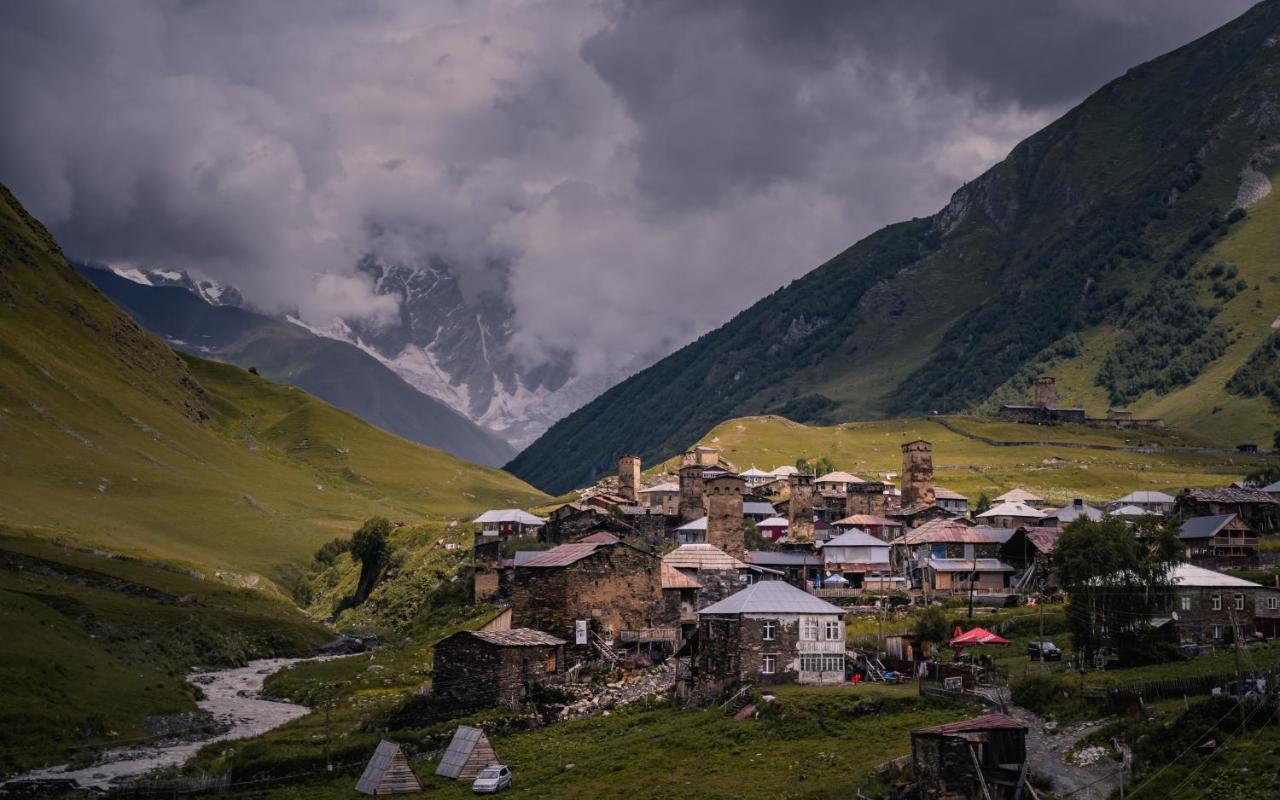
[(839, 477), (1231, 496), (862, 520), (509, 515), (1204, 527), (563, 555), (772, 597), (977, 724), (943, 493), (785, 470), (599, 537), (518, 637)]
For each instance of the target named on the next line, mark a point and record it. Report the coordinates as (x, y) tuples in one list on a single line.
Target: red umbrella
[(976, 636)]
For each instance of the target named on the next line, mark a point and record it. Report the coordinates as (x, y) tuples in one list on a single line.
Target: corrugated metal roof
[(518, 637), (943, 493), (563, 555), (460, 747), (1071, 512), (839, 477), (772, 597), (1134, 511), (786, 558), (1146, 497), (985, 723), (662, 487), (1012, 508), (773, 522), (509, 515), (599, 537), (862, 520), (377, 766), (1000, 535), (699, 524), (855, 538), (1193, 576), (701, 557), (673, 578), (1272, 489), (758, 507), (756, 473), (943, 530), (1203, 527)]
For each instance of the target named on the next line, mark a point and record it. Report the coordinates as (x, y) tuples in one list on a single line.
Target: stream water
[(232, 696)]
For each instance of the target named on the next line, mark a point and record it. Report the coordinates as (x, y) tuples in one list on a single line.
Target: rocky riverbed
[(233, 706)]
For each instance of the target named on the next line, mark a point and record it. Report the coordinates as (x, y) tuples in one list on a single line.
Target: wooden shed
[(469, 752), (388, 772)]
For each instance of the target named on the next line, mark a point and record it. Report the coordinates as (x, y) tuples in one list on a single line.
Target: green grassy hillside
[(109, 438), (1090, 249), (1075, 461)]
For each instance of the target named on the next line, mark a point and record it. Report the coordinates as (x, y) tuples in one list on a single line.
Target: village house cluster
[(739, 575)]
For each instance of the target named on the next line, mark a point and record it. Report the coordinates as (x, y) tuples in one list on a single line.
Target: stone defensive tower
[(629, 477), (800, 508), (692, 505), (725, 526), (1045, 393), (917, 474), (864, 498)]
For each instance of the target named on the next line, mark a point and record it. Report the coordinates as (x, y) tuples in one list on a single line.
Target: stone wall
[(692, 504), (725, 526), (616, 586), (472, 673), (917, 474), (800, 508), (864, 498), (629, 477)]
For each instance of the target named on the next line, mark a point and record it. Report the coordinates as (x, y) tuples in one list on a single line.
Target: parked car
[(493, 778), (1051, 651)]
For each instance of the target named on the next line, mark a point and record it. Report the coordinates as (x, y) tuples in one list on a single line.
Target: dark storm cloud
[(584, 159)]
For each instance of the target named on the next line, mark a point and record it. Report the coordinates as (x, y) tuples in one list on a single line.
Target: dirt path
[(1046, 751)]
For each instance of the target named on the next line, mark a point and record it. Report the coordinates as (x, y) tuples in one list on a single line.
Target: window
[(810, 630), (1273, 603), (1239, 602), (551, 661), (1217, 631), (1186, 603), (768, 664), (767, 631), (819, 662), (1217, 604), (834, 629)]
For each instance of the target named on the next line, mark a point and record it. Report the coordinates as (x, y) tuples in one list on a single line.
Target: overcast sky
[(631, 174)]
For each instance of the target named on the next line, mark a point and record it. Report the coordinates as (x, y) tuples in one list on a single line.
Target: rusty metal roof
[(986, 723), (599, 537), (518, 637), (944, 530)]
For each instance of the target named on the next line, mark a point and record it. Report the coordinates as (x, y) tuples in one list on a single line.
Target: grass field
[(973, 467), (97, 644)]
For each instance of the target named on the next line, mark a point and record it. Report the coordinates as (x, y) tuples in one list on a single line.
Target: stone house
[(717, 574), (774, 528), (800, 567), (1208, 606), (1258, 510), (768, 633), (611, 587), (855, 554), (480, 669), (1020, 495), (880, 527), (1076, 509), (954, 502), (1150, 502), (664, 496), (836, 481), (976, 758)]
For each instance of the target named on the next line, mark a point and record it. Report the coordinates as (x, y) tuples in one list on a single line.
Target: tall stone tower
[(725, 527), (864, 498), (629, 477), (692, 505), (917, 474), (1045, 393), (800, 508)]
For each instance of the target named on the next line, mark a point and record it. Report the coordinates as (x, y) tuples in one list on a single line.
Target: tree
[(802, 464), (932, 626), (369, 547), (982, 505), (823, 465), (1116, 579)]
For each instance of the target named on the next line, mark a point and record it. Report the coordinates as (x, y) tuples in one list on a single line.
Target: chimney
[(725, 527), (800, 508), (917, 474), (629, 477), (692, 505)]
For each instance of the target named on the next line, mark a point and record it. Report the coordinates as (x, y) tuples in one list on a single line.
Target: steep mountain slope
[(109, 438), (1096, 234), (334, 371)]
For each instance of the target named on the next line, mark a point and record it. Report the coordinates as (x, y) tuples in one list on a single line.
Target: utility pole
[(973, 574), (328, 766), (1040, 603), (1235, 639)]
